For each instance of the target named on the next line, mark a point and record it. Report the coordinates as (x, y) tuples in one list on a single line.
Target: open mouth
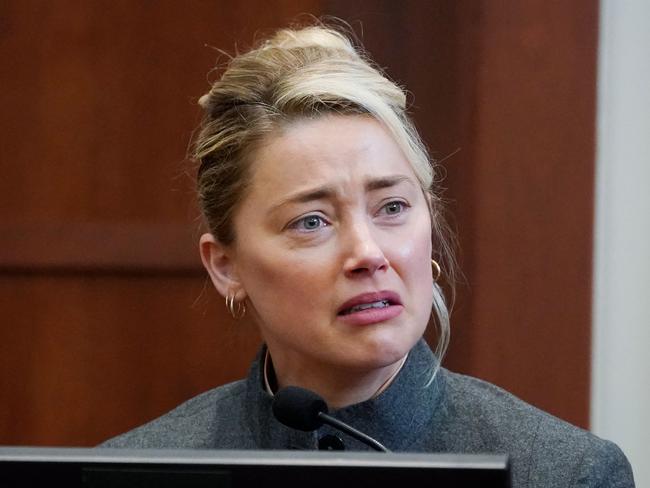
[(369, 302), (366, 306)]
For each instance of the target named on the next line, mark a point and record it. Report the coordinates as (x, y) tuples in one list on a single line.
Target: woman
[(318, 195)]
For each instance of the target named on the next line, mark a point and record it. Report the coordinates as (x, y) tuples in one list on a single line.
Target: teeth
[(366, 306)]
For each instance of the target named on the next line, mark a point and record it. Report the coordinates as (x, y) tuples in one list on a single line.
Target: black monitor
[(120, 468)]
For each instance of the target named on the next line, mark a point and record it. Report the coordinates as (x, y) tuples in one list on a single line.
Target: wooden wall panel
[(535, 146), (86, 357)]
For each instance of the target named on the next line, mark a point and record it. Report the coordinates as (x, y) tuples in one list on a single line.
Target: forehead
[(330, 150)]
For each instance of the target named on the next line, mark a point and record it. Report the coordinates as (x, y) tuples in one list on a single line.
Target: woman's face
[(333, 246)]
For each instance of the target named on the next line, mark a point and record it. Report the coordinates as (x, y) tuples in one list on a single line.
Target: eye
[(393, 208), (308, 223)]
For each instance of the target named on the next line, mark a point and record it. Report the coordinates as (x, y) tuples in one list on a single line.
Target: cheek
[(413, 253), (285, 286), (411, 258)]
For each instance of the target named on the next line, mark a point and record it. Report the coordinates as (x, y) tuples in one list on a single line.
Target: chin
[(385, 351)]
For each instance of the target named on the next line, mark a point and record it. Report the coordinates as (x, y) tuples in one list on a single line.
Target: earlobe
[(220, 265)]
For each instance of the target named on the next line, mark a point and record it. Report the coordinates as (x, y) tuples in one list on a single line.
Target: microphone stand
[(351, 431)]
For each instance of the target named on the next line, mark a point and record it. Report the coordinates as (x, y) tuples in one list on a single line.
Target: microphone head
[(298, 408)]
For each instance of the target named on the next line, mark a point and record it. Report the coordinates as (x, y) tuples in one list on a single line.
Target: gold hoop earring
[(436, 270), (237, 311)]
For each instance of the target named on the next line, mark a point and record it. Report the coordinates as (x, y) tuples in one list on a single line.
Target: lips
[(369, 301)]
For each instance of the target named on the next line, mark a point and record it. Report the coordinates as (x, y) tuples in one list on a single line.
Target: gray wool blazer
[(454, 414)]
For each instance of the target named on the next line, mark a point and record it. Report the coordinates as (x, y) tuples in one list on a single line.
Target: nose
[(364, 255)]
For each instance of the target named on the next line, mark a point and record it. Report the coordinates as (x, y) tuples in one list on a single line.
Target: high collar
[(395, 417)]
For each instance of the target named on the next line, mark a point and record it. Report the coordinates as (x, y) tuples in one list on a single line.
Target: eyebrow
[(386, 182), (326, 192)]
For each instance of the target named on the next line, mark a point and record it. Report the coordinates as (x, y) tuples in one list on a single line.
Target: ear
[(219, 262)]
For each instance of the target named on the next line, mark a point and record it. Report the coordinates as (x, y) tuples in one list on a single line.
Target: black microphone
[(305, 410)]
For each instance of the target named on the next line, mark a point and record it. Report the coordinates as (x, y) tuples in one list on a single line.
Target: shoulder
[(544, 450), (193, 424)]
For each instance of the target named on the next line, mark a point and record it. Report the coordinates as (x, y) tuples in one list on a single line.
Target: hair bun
[(313, 36)]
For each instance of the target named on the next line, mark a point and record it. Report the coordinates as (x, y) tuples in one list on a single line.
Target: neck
[(339, 387)]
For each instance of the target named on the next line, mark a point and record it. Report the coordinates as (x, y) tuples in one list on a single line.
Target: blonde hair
[(303, 73)]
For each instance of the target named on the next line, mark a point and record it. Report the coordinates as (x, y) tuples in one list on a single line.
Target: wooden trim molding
[(99, 247)]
